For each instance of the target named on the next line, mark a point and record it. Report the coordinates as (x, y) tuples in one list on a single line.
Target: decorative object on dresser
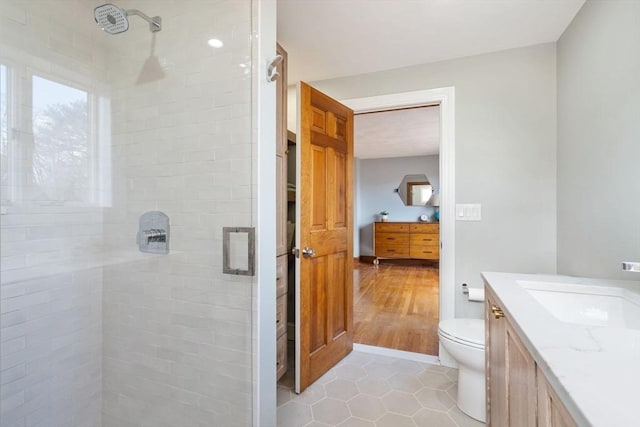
[(384, 216), (408, 240)]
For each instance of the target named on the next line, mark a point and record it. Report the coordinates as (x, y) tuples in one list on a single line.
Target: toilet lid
[(467, 330)]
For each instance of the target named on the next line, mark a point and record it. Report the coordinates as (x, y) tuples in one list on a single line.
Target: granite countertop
[(594, 369)]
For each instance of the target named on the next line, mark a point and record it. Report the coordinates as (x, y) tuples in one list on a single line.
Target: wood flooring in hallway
[(396, 306)]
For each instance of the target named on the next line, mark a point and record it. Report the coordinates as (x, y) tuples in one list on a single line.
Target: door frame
[(445, 97)]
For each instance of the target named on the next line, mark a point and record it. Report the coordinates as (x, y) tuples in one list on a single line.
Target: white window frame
[(20, 134)]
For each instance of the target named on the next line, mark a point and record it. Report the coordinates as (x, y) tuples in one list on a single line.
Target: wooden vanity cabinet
[(518, 394), (551, 411)]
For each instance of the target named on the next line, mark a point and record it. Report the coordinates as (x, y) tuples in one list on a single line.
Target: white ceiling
[(334, 38), (399, 133)]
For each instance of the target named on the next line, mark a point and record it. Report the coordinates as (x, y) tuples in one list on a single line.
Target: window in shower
[(60, 152), (62, 157)]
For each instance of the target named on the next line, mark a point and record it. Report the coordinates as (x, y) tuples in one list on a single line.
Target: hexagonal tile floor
[(367, 390)]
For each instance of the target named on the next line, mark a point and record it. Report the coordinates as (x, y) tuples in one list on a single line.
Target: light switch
[(468, 212)]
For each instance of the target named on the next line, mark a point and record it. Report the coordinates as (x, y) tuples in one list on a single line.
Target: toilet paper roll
[(476, 294)]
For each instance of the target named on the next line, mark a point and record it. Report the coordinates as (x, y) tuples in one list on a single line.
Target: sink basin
[(586, 304)]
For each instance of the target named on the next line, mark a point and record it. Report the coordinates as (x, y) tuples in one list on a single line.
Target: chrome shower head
[(111, 18), (114, 20)]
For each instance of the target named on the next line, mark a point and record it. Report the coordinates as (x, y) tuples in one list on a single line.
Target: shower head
[(114, 20), (111, 18)]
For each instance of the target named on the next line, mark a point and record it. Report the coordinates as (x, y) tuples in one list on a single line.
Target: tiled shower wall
[(93, 332)]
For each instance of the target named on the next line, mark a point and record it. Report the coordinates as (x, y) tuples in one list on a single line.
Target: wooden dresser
[(410, 240)]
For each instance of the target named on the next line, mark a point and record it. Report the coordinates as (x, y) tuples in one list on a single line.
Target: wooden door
[(324, 282)]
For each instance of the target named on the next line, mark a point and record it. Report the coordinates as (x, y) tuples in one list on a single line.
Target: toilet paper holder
[(473, 294)]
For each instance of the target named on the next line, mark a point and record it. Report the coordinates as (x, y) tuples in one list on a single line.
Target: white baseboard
[(400, 354)]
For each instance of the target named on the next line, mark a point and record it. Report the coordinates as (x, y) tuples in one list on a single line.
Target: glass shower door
[(97, 130)]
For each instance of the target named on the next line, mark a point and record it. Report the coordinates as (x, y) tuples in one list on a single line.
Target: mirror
[(415, 190)]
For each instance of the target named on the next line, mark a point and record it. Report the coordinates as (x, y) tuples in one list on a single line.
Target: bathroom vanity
[(561, 351)]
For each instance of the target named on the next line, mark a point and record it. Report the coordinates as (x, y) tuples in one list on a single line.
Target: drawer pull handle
[(427, 252), (428, 240), (497, 311), (391, 238), (392, 250)]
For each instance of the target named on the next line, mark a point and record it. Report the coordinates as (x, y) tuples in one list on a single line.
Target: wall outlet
[(468, 212)]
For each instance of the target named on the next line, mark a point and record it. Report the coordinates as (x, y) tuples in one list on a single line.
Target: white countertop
[(594, 369)]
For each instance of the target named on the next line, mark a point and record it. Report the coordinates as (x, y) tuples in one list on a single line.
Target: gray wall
[(376, 180), (505, 154), (599, 140)]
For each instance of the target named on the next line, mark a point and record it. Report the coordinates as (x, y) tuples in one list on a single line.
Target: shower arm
[(155, 23)]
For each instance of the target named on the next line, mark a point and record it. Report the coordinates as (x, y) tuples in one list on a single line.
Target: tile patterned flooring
[(368, 390)]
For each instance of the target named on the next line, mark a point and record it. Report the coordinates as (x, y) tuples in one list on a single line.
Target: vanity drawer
[(427, 228), (281, 315), (392, 227), (281, 275), (281, 356), (391, 245)]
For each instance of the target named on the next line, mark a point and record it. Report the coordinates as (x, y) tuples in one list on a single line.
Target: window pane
[(4, 135), (61, 151)]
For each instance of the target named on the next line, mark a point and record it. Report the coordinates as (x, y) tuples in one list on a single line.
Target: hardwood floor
[(396, 306)]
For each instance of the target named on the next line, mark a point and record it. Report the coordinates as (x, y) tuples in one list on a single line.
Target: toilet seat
[(469, 332)]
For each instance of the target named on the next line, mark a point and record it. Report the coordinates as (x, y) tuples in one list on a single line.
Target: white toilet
[(463, 340)]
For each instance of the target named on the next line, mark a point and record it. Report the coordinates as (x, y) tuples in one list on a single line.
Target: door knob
[(308, 252)]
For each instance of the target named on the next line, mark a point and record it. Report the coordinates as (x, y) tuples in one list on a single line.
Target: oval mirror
[(415, 190)]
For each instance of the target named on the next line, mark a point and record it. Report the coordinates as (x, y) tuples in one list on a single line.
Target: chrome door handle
[(308, 252)]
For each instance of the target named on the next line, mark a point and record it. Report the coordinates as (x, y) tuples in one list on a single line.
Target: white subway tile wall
[(94, 333)]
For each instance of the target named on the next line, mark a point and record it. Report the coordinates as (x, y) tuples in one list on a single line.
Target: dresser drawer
[(425, 239), (428, 251), (390, 245), (423, 227), (281, 275), (281, 356), (392, 227), (281, 315)]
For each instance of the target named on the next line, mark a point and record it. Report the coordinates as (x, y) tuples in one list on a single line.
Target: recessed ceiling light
[(215, 43)]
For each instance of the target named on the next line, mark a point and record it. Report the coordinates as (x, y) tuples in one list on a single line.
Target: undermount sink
[(586, 304)]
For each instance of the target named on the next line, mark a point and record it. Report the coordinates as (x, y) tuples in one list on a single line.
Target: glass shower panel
[(98, 129)]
